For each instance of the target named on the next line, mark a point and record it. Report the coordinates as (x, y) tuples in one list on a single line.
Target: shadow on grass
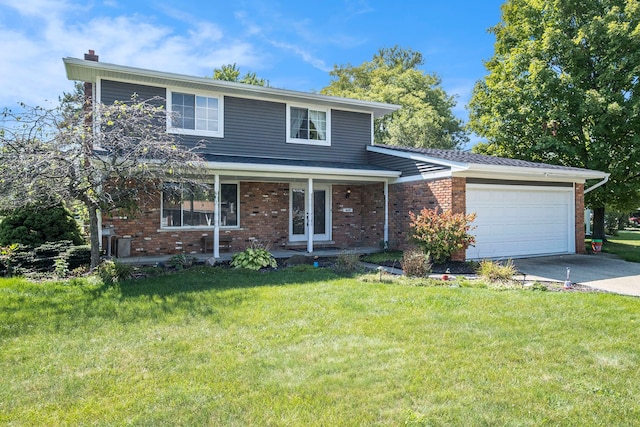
[(201, 279), (201, 291)]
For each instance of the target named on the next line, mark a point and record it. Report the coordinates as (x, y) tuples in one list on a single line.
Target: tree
[(231, 73), (34, 225), (52, 155), (425, 119), (563, 88)]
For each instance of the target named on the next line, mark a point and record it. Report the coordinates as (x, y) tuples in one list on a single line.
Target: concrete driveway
[(601, 271)]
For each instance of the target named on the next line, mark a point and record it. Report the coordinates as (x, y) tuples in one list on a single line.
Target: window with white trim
[(196, 114), (189, 207), (308, 125)]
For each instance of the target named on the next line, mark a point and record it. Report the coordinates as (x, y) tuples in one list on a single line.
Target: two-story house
[(301, 170)]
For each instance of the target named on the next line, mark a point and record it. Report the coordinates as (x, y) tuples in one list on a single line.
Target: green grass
[(309, 348), (381, 257), (626, 245)]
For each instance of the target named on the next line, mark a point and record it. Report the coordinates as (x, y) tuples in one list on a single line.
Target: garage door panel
[(520, 221)]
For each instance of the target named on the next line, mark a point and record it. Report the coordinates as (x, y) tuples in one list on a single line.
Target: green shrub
[(494, 271), (253, 258), (114, 272), (44, 258), (348, 263), (52, 249), (78, 256), (181, 261), (615, 221), (7, 259), (537, 286), (35, 225), (441, 234), (61, 267), (415, 263)]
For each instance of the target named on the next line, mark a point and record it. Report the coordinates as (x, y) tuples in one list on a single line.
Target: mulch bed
[(451, 267)]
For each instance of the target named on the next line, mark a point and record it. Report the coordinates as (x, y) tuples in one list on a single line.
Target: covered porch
[(327, 205), (285, 205)]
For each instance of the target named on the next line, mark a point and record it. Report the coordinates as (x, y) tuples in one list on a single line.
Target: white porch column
[(216, 217), (310, 218), (386, 213), (99, 214)]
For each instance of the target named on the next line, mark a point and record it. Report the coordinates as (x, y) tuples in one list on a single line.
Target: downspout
[(216, 217), (386, 214), (593, 187)]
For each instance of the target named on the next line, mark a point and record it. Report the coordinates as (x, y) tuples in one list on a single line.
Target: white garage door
[(520, 221)]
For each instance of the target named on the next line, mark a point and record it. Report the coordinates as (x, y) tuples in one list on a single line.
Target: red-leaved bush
[(441, 234)]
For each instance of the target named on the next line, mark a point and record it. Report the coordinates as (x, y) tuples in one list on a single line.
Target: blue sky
[(292, 44)]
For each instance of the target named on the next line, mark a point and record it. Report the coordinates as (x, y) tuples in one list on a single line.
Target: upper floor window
[(308, 125), (196, 114)]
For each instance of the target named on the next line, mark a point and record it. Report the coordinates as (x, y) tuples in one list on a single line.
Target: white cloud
[(45, 9), (304, 54), (32, 60)]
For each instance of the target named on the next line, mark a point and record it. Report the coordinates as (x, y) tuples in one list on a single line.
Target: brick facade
[(364, 225), (357, 220), (264, 216), (579, 215), (444, 194)]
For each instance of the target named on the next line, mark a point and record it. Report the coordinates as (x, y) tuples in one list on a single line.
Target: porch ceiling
[(290, 170)]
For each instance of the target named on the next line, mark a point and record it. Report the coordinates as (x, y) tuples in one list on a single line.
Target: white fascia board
[(83, 70), (272, 170), (522, 172), (423, 177), (455, 166)]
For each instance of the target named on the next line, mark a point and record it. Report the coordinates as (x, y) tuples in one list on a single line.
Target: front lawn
[(303, 347), (626, 245)]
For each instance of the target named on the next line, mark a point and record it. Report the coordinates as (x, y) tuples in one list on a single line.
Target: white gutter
[(545, 172), (470, 169), (593, 187), (79, 69), (316, 170)]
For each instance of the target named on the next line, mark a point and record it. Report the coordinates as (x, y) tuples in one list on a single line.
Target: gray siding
[(257, 128), (407, 166), (118, 91)]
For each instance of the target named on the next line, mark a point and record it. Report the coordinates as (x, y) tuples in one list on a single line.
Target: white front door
[(299, 212)]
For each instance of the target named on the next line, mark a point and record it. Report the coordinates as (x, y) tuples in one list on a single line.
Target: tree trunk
[(94, 237), (598, 223)]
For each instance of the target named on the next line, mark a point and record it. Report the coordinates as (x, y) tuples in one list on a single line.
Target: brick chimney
[(88, 88), (91, 56)]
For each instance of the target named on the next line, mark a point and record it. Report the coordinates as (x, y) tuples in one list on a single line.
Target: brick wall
[(364, 225), (413, 197), (146, 239), (579, 215), (264, 216), (444, 194)]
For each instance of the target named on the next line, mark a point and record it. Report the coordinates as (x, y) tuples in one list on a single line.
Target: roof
[(461, 161), (261, 165), (91, 71)]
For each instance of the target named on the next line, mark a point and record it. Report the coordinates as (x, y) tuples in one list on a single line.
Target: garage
[(521, 220)]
